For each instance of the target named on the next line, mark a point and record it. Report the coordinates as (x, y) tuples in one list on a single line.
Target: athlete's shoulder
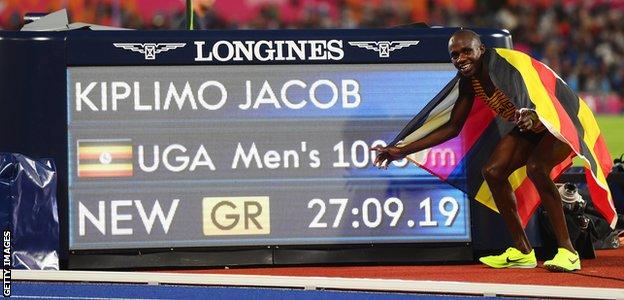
[(506, 52)]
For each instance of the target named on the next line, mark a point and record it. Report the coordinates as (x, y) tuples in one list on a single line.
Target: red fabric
[(568, 130), (478, 120), (528, 200), (597, 192)]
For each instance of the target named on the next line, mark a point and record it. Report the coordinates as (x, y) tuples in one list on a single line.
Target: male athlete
[(529, 143)]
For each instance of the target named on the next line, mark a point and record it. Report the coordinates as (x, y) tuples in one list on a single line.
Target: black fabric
[(508, 79), (587, 228), (580, 237), (616, 184), (421, 117)]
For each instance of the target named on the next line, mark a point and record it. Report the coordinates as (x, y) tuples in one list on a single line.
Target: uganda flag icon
[(104, 158)]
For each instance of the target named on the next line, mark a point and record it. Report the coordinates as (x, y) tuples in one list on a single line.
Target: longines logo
[(149, 49), (265, 50), (269, 50), (384, 47)]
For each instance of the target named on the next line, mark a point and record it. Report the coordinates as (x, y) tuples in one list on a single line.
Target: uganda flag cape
[(529, 84)]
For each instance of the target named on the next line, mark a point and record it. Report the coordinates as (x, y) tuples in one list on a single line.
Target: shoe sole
[(559, 269), (511, 266), (522, 266)]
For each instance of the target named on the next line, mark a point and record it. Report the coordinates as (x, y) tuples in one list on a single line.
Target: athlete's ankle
[(567, 246), (525, 250)]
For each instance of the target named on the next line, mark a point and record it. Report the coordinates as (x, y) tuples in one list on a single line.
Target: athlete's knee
[(536, 169), (494, 173), (506, 207)]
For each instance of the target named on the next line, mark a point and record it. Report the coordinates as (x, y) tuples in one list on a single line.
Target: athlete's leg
[(511, 153), (550, 152)]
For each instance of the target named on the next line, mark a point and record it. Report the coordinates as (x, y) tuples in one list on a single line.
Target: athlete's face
[(466, 53)]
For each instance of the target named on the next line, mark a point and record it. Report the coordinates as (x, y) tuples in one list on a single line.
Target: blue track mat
[(45, 290)]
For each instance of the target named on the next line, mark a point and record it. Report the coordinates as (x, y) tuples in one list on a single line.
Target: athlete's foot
[(564, 261), (511, 258)]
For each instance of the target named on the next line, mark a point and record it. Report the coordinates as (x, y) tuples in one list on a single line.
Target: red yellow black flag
[(529, 84), (104, 158)]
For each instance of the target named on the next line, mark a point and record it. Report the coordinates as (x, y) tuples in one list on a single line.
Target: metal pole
[(189, 14)]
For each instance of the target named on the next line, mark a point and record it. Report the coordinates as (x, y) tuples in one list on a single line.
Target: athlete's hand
[(526, 119), (385, 155)]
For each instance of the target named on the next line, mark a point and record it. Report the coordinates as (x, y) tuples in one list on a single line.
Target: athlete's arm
[(451, 129)]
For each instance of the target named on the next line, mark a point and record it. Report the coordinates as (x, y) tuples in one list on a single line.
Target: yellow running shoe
[(511, 258), (564, 261)]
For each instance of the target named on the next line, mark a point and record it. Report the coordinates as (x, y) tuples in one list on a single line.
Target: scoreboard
[(178, 139), (251, 155)]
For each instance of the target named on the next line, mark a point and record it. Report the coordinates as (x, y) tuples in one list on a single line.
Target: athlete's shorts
[(533, 137)]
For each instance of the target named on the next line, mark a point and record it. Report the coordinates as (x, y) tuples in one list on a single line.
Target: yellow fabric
[(107, 149), (547, 113), (484, 196), (537, 92), (592, 132), (431, 124)]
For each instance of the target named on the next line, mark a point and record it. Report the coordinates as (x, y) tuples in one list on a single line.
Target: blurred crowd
[(582, 40)]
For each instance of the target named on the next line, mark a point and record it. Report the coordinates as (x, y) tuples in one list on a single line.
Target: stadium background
[(583, 41)]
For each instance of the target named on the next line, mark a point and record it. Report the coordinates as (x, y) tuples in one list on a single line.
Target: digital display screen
[(250, 155)]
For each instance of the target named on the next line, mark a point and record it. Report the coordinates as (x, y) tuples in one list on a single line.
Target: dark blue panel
[(33, 102), (87, 48)]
